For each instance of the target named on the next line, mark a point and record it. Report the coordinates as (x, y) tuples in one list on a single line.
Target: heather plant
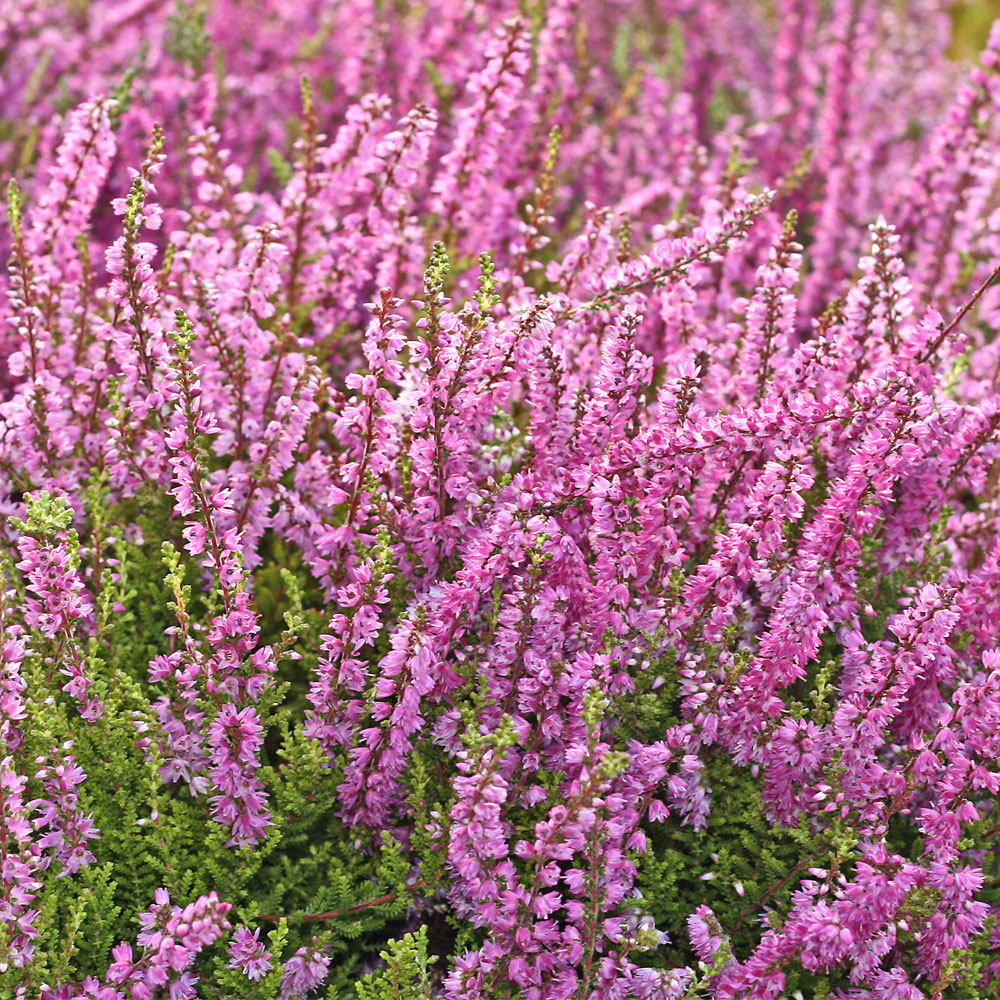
[(498, 500)]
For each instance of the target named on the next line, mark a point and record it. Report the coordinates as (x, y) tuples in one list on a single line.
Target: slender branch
[(962, 313), (334, 914)]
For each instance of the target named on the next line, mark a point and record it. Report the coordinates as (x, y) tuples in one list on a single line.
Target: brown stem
[(334, 914)]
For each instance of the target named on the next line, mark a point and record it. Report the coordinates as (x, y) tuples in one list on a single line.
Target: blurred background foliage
[(972, 20)]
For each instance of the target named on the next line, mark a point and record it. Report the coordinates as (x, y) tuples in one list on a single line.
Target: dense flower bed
[(499, 500)]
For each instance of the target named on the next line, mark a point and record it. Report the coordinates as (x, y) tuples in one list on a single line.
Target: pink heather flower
[(248, 954), (235, 740), (171, 939), (303, 973)]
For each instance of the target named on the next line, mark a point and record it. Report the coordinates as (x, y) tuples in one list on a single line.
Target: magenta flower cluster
[(619, 387)]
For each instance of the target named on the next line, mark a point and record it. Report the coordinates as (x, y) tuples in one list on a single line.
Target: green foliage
[(971, 21), (744, 855), (405, 976), (187, 40)]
